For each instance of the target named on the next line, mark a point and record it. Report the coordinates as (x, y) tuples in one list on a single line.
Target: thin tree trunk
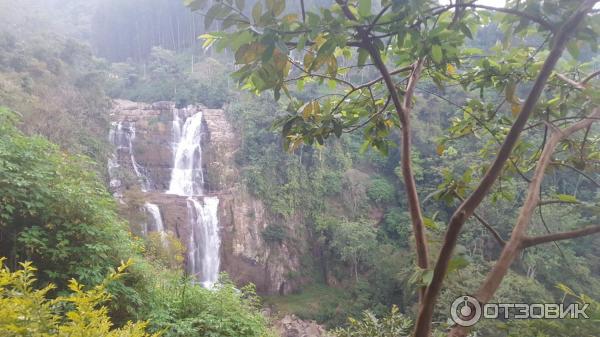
[(466, 209), (515, 245), (403, 110)]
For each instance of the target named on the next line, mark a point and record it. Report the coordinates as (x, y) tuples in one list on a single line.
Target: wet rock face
[(244, 254)]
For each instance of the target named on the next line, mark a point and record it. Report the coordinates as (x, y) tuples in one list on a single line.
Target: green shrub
[(179, 308), (55, 211), (392, 324), (381, 191), (396, 225), (275, 234), (27, 311)]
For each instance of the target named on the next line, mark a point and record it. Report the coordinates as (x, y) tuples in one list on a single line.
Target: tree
[(408, 42), (354, 241)]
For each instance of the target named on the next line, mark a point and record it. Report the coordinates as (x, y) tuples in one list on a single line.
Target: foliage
[(124, 30), (55, 211), (27, 311), (381, 191), (331, 47), (177, 307), (396, 226), (567, 327), (354, 242), (165, 249), (274, 233), (391, 325), (167, 76), (57, 87)]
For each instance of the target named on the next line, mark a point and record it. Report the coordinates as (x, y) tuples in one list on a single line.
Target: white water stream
[(187, 179), (157, 223), (121, 135)]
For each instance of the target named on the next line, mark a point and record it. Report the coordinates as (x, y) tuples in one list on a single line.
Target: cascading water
[(205, 242), (187, 179), (157, 223), (122, 135)]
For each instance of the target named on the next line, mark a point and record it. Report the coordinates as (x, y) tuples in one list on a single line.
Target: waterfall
[(204, 247), (157, 223), (187, 179), (122, 135)]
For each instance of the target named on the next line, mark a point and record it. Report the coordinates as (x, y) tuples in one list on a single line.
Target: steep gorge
[(173, 169)]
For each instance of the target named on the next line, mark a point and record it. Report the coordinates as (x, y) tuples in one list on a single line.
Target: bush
[(393, 324), (274, 234), (179, 308), (55, 211), (26, 311), (381, 191), (396, 226)]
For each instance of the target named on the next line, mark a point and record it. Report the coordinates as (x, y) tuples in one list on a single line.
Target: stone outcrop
[(245, 255), (292, 326)]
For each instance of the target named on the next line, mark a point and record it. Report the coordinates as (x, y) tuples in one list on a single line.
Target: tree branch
[(538, 240), (516, 243), (539, 20), (590, 77), (569, 81), (303, 11), (553, 202), (597, 184), (466, 209), (485, 224), (403, 111)]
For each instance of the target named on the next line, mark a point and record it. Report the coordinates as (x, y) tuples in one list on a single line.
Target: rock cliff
[(140, 172)]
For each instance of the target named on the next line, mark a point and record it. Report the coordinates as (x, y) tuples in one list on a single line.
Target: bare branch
[(486, 224), (585, 175), (539, 20), (377, 80), (303, 11), (569, 81), (590, 77), (538, 240)]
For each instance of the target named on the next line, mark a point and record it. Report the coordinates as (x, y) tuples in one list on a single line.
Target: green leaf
[(457, 262), (257, 12), (363, 54), (566, 198), (465, 30), (436, 53), (364, 8), (573, 48), (427, 277), (241, 39)]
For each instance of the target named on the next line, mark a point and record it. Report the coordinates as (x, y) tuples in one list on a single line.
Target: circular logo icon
[(465, 311)]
